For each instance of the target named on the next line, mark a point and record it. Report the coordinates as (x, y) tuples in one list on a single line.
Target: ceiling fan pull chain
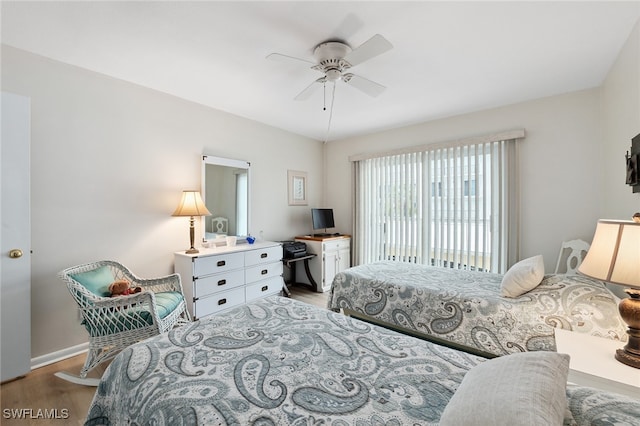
[(333, 98), (324, 96)]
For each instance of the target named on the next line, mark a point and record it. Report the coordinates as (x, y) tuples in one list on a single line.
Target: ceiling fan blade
[(348, 27), (308, 91), (369, 87), (371, 48), (279, 57)]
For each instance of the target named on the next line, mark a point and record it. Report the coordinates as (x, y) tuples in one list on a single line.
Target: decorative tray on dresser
[(216, 279)]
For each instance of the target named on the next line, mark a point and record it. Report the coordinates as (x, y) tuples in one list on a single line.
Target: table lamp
[(614, 257), (191, 205)]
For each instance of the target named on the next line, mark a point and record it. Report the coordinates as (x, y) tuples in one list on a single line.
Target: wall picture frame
[(297, 188)]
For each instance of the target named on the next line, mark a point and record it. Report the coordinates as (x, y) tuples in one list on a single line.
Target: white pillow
[(523, 276), (521, 389)]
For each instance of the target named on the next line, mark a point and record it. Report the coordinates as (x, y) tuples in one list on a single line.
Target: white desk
[(593, 363)]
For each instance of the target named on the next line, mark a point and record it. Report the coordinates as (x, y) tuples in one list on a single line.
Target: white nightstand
[(593, 364)]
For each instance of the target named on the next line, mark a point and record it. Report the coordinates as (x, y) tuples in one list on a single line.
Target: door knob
[(15, 253)]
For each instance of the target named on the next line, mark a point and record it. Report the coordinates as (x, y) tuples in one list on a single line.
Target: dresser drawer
[(261, 272), (218, 302), (336, 244), (214, 264), (218, 282), (263, 288), (266, 255)]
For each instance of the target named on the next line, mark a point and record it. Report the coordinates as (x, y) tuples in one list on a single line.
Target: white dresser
[(220, 278)]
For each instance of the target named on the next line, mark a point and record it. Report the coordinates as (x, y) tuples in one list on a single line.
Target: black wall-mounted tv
[(322, 219)]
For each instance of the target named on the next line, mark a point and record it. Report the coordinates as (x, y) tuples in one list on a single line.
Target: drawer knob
[(265, 288), (263, 255), (264, 271), (222, 282), (222, 301), (221, 263)]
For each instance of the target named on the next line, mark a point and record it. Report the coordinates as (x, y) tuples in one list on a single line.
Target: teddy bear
[(122, 288)]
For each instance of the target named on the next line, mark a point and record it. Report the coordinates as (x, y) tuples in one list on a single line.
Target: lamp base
[(630, 312), (628, 358), (630, 354), (192, 250)]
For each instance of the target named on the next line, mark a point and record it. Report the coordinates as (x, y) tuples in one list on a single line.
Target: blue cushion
[(96, 281), (166, 302)]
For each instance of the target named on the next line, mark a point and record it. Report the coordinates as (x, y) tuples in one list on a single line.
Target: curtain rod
[(476, 140)]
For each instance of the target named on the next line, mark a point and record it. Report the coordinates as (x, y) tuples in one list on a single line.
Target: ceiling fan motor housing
[(330, 57)]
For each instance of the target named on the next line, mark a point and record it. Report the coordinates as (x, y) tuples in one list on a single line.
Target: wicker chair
[(113, 323)]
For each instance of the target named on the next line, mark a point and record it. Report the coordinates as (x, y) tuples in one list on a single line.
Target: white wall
[(621, 122), (109, 162), (559, 163), (572, 159)]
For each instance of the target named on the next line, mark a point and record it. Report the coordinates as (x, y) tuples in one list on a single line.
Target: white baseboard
[(50, 358)]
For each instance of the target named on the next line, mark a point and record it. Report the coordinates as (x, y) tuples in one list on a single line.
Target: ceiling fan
[(335, 57)]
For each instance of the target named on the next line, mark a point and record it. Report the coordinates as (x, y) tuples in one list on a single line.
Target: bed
[(277, 361), (465, 309)]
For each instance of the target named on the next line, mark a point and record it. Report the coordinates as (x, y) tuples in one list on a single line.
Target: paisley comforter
[(277, 361), (465, 309)]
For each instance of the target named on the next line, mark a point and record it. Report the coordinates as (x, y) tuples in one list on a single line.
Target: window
[(469, 188), (453, 206), (436, 189), (242, 202)]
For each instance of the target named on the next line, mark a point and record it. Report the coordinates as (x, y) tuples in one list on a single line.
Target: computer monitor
[(322, 219)]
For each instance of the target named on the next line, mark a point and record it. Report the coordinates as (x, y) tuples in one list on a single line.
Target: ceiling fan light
[(333, 74)]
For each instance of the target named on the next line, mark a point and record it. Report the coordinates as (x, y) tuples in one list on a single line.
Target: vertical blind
[(452, 206)]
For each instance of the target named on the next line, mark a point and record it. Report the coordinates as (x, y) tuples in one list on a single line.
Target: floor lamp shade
[(614, 257), (191, 205)]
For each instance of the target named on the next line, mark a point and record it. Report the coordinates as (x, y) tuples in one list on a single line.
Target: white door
[(15, 239)]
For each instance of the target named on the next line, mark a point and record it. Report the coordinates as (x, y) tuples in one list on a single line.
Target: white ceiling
[(448, 58)]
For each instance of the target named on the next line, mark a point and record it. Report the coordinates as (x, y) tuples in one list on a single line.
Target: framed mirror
[(225, 190)]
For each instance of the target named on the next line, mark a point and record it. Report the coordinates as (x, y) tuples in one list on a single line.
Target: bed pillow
[(523, 276), (527, 388)]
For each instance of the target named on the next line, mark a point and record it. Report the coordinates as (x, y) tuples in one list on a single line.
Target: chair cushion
[(167, 302), (96, 281), (118, 321)]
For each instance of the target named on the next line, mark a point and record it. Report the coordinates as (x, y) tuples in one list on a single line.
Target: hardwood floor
[(304, 294), (40, 398)]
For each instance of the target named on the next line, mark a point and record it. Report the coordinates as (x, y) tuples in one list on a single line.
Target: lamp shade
[(191, 204), (614, 255)]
